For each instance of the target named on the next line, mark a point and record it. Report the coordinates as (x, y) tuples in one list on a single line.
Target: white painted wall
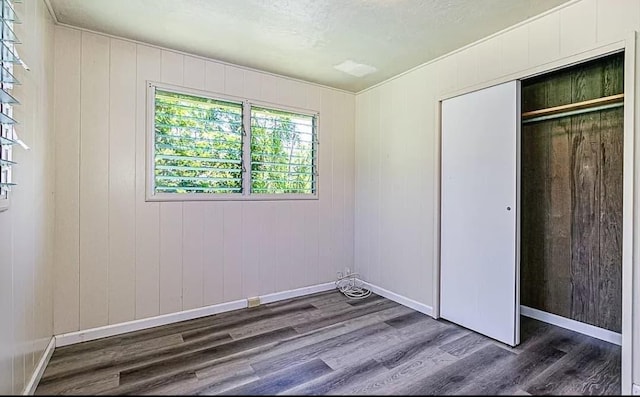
[(119, 258), (26, 228), (396, 132), (396, 136)]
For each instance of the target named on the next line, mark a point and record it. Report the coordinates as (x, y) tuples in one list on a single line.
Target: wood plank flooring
[(327, 344)]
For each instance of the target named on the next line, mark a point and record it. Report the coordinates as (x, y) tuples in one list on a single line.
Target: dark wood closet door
[(571, 225)]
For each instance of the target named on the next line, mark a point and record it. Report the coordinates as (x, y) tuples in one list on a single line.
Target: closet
[(531, 202), (571, 192)]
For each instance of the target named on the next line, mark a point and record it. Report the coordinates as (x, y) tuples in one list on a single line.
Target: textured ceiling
[(305, 39)]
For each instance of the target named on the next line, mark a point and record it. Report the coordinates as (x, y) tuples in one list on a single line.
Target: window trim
[(152, 196)]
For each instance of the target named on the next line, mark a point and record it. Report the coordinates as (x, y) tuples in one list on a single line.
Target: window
[(204, 147), (198, 144), (283, 158), (8, 137)]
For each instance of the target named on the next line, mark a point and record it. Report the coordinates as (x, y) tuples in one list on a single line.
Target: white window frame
[(246, 194)]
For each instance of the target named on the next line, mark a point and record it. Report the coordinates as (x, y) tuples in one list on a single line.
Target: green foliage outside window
[(282, 152), (198, 144), (199, 147)]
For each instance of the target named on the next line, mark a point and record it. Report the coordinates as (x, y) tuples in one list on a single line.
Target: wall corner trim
[(38, 371), (71, 338), (403, 300)]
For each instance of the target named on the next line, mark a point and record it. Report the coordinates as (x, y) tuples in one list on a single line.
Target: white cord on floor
[(351, 287)]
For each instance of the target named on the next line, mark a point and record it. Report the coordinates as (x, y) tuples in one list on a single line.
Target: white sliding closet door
[(479, 285)]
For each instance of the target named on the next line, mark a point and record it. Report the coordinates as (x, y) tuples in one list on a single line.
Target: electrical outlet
[(253, 302)]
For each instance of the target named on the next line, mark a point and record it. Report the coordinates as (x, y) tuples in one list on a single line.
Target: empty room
[(329, 197)]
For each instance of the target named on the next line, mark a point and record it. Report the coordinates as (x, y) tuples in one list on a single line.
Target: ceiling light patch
[(355, 68)]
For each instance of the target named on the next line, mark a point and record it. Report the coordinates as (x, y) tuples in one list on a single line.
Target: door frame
[(630, 200)]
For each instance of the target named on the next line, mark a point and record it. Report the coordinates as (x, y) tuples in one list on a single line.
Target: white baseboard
[(294, 293), (635, 390), (137, 325), (577, 326), (410, 303), (38, 371)]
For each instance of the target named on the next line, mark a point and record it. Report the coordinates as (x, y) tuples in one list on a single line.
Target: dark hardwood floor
[(327, 344)]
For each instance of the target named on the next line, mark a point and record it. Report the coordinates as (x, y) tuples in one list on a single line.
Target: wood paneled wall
[(119, 258), (26, 228), (396, 151), (571, 230)]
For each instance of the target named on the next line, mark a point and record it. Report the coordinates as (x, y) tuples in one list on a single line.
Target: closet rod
[(574, 106), (573, 112)]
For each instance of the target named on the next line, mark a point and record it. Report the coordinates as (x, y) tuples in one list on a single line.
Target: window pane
[(198, 144), (283, 152)]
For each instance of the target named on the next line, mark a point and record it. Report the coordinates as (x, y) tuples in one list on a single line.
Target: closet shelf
[(571, 109)]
